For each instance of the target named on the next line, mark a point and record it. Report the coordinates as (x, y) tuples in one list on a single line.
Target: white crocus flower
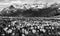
[(13, 33), (6, 28), (52, 27), (34, 31), (23, 30), (32, 27), (23, 35), (26, 32), (42, 30), (9, 31)]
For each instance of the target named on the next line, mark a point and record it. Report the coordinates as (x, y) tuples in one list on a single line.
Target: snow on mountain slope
[(4, 5), (24, 8)]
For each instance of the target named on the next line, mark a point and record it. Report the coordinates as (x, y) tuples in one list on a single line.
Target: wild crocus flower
[(9, 31), (33, 31), (26, 32)]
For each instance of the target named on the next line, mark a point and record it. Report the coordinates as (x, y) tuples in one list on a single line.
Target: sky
[(4, 3), (32, 0)]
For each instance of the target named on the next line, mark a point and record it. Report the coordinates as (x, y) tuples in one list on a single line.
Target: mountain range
[(31, 10)]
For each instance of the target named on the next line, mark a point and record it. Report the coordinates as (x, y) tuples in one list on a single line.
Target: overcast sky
[(33, 0), (2, 5)]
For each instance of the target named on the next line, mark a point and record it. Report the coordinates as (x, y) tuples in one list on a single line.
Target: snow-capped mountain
[(8, 10), (35, 9)]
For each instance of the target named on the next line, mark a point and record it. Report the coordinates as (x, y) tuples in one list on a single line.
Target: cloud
[(30, 0)]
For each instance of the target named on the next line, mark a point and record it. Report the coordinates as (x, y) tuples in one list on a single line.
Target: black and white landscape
[(29, 18)]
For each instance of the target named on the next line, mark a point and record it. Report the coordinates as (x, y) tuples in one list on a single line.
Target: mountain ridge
[(32, 11)]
